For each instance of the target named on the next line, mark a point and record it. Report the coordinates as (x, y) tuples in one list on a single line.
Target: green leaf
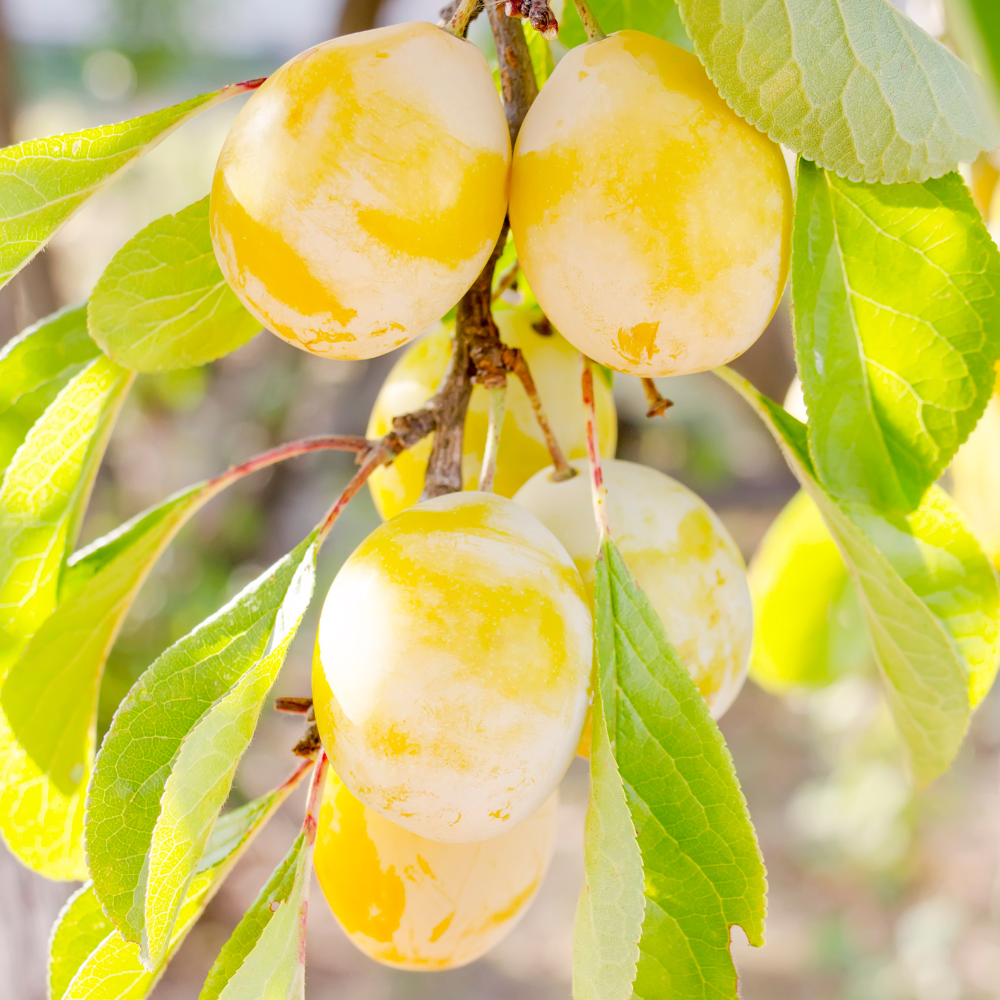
[(90, 960), (42, 499), (808, 626), (853, 85), (44, 181), (34, 366), (265, 957), (610, 911), (541, 60), (656, 17), (702, 868), (162, 303), (45, 489), (167, 762), (928, 593), (49, 700), (897, 328)]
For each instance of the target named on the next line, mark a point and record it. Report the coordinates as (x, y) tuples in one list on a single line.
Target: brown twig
[(538, 13), (477, 354), (292, 705), (310, 743), (658, 405)]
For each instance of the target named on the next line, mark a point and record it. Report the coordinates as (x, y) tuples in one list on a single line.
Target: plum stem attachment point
[(498, 409), (590, 25), (598, 489), (456, 18), (516, 365), (658, 405)]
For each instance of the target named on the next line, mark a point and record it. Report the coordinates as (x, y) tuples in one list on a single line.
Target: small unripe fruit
[(652, 222), (452, 666), (362, 188), (678, 551), (555, 368), (415, 903)]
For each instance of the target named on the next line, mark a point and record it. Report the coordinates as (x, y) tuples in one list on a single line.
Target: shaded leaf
[(896, 304), (702, 868), (265, 957), (853, 85), (34, 366), (167, 762), (44, 181), (975, 26), (928, 593), (162, 303), (609, 914), (90, 960)]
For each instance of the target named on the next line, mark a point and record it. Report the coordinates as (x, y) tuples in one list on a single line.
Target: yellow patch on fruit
[(678, 551), (415, 903), (362, 189), (452, 665), (555, 368), (653, 224)]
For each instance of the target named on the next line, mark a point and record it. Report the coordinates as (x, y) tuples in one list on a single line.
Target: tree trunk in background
[(355, 15), (28, 903), (31, 294)]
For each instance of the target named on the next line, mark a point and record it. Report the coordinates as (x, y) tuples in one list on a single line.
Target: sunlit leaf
[(42, 499), (808, 627), (609, 914), (167, 762), (44, 181), (702, 869), (853, 85), (896, 303), (34, 366), (265, 957), (90, 960), (928, 593), (162, 302)]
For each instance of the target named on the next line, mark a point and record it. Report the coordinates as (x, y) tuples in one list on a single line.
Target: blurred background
[(875, 894)]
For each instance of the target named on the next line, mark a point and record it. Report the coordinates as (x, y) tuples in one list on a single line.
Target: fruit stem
[(311, 822), (516, 364), (599, 490), (658, 405), (507, 279), (328, 442), (498, 409), (458, 24), (372, 460), (590, 25)]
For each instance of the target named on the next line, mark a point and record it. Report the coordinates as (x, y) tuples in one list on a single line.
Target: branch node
[(658, 405)]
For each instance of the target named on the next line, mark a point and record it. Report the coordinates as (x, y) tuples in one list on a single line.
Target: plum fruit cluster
[(361, 191)]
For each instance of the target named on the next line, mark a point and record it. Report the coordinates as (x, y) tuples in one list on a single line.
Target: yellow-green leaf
[(44, 181), (90, 960), (162, 303), (34, 366)]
